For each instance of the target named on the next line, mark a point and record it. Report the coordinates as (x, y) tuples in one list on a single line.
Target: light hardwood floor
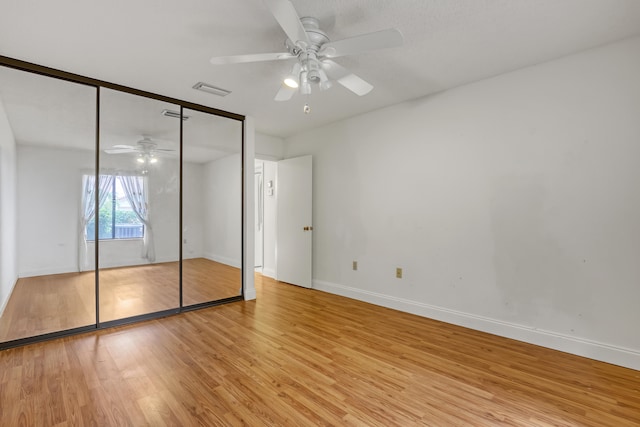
[(302, 357), (58, 302)]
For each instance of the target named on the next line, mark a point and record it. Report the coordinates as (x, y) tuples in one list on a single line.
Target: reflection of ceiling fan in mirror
[(146, 149)]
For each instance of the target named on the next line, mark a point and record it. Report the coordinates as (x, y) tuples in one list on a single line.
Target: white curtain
[(134, 189), (88, 210)]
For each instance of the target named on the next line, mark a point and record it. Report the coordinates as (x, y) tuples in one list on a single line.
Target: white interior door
[(294, 226)]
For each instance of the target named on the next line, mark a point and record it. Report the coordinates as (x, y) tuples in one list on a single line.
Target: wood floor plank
[(301, 357)]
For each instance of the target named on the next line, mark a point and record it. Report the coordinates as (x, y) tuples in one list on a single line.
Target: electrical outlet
[(399, 273), (355, 265)]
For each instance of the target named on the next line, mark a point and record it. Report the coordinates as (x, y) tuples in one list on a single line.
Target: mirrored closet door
[(114, 206), (138, 219), (47, 148), (212, 208)]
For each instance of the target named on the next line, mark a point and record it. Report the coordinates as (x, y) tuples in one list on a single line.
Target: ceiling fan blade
[(119, 150), (164, 150), (257, 57), (285, 93), (363, 43), (288, 18), (346, 78)]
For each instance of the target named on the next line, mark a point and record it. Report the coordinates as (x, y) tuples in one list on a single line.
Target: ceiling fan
[(146, 149), (313, 50)]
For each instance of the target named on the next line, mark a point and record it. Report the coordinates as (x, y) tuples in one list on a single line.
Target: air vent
[(174, 114), (211, 89)]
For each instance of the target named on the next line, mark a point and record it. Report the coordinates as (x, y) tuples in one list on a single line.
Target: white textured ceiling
[(164, 46)]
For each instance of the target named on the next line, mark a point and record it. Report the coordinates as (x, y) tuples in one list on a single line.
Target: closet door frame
[(97, 84)]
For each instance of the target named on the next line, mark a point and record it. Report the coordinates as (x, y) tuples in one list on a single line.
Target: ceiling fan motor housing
[(147, 144), (316, 36), (308, 55)]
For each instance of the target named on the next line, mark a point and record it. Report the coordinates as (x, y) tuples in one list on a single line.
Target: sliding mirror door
[(139, 205), (47, 148), (211, 208), (105, 218)]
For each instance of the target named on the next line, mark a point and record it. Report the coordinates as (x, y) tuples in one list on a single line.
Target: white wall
[(223, 210), (512, 204), (192, 210), (268, 147), (8, 219), (164, 198), (248, 238), (49, 190)]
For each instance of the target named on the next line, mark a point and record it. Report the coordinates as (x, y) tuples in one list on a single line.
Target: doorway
[(271, 180), (265, 217), (259, 216)]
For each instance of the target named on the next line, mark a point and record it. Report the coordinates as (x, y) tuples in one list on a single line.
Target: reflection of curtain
[(88, 210), (134, 189)]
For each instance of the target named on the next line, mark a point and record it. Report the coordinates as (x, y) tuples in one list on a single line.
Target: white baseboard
[(192, 256), (3, 304), (223, 260), (48, 271), (112, 263), (269, 272), (582, 347), (163, 259), (250, 294)]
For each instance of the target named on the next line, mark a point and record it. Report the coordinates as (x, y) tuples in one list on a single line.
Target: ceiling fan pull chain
[(306, 108)]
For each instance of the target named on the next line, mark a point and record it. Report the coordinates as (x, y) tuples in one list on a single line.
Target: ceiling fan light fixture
[(313, 76), (325, 83), (291, 82), (305, 86), (140, 159), (292, 79), (153, 160), (205, 87)]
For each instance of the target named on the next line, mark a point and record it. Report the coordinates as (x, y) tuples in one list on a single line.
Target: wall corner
[(248, 240)]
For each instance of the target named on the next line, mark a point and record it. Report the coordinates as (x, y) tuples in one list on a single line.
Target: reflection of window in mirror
[(119, 213)]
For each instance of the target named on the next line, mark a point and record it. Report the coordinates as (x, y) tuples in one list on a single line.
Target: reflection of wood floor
[(63, 301), (300, 357)]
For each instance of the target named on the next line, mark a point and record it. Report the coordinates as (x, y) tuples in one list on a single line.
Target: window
[(116, 217)]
